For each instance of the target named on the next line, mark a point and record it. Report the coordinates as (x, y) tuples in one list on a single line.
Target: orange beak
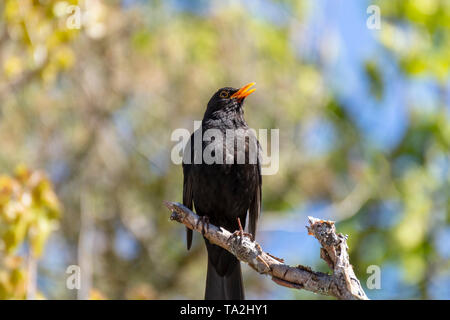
[(244, 91)]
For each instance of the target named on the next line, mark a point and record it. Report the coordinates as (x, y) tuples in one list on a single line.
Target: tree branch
[(342, 284)]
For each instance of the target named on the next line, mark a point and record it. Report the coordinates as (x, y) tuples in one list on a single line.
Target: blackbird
[(223, 192)]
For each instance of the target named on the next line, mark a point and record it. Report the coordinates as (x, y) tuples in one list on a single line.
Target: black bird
[(223, 192)]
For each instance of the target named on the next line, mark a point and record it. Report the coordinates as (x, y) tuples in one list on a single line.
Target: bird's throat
[(232, 118)]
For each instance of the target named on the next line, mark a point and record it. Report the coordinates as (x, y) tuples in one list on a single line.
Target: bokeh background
[(86, 117)]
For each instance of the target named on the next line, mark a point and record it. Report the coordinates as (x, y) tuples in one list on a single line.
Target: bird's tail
[(226, 287)]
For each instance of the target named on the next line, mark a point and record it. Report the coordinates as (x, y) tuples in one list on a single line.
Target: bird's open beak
[(244, 91)]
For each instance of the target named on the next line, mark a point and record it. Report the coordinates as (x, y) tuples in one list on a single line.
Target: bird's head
[(227, 99)]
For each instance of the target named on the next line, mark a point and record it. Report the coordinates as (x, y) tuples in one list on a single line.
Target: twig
[(342, 284)]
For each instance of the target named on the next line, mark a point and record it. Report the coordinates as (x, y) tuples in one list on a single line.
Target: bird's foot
[(204, 220), (241, 232)]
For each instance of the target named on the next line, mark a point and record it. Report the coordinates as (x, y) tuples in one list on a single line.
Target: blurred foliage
[(39, 38), (417, 31), (29, 212), (95, 107)]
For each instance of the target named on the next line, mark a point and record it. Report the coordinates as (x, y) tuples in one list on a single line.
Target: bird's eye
[(224, 94)]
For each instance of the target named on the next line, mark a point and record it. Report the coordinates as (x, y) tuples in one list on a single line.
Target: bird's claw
[(205, 221), (240, 234), (235, 235)]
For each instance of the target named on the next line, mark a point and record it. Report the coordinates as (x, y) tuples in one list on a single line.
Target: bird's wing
[(255, 205), (187, 185)]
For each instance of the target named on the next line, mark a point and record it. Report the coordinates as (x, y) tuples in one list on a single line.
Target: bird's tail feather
[(227, 287)]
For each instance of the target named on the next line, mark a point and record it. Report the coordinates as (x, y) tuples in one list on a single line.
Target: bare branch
[(342, 284)]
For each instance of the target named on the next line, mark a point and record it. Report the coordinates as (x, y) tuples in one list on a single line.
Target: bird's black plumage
[(224, 192)]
